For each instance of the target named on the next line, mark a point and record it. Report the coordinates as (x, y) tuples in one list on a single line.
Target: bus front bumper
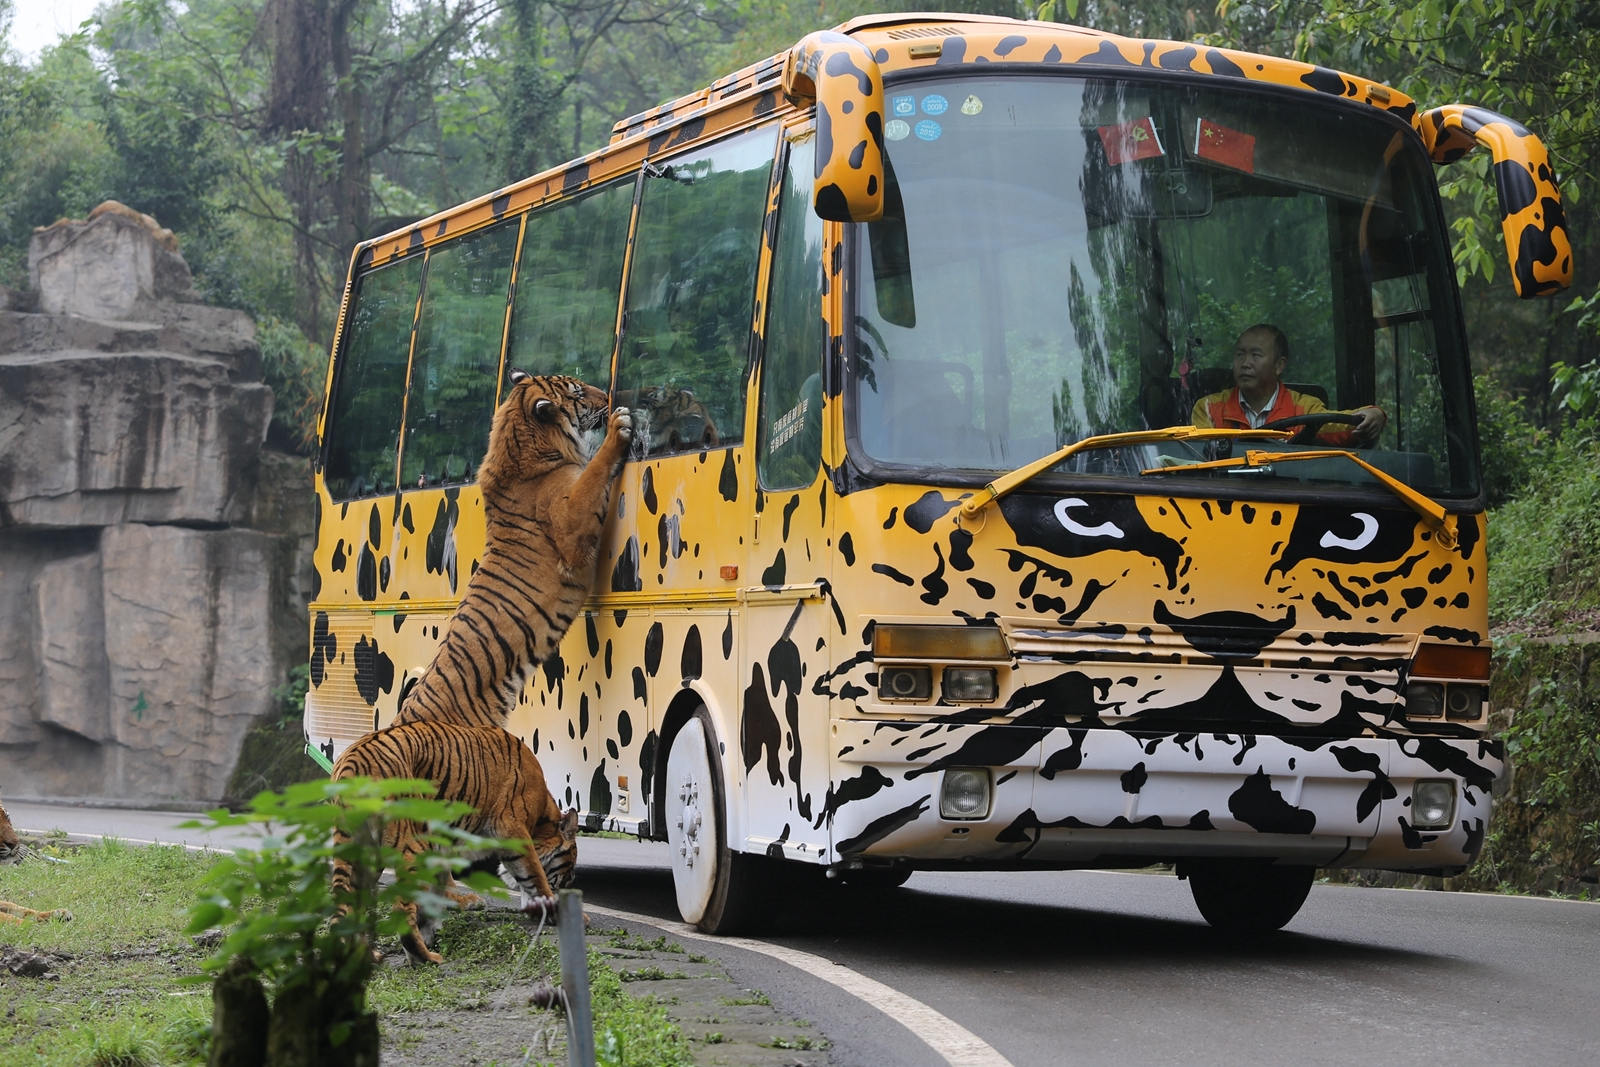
[(1080, 796)]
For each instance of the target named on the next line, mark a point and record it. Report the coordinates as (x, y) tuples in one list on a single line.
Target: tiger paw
[(622, 423)]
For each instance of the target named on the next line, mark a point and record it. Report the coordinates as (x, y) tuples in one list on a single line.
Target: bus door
[(682, 534), (786, 594)]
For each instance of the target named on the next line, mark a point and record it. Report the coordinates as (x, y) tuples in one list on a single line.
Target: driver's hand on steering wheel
[(1373, 420)]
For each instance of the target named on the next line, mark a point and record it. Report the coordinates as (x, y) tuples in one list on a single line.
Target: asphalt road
[(1097, 967)]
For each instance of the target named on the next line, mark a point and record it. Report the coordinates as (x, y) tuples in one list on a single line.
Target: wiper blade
[(1009, 481), (1433, 513)]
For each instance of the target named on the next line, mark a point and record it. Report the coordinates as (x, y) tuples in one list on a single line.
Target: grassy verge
[(120, 988)]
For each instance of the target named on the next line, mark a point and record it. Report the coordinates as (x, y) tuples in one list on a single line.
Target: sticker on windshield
[(971, 105), (928, 130), (934, 104), (897, 129), (903, 106)]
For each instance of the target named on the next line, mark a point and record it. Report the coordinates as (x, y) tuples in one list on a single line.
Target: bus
[(919, 561)]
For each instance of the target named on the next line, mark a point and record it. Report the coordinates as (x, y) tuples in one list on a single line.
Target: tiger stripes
[(486, 767), (544, 507)]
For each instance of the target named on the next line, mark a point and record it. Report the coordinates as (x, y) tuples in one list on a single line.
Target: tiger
[(544, 505), (12, 850), (487, 767), (672, 419)]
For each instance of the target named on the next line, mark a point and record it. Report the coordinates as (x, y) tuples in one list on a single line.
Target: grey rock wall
[(154, 561)]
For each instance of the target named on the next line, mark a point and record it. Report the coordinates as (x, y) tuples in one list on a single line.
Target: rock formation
[(153, 559)]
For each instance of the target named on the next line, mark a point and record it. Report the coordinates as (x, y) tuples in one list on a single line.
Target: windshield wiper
[(1433, 513), (1007, 482)]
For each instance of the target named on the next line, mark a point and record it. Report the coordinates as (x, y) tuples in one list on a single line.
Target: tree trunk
[(239, 1018)]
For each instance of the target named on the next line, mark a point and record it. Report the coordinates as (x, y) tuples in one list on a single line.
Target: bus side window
[(686, 344), (363, 424), (457, 358), (564, 318), (789, 427)]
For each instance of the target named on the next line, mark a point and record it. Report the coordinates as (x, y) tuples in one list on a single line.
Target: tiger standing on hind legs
[(545, 503)]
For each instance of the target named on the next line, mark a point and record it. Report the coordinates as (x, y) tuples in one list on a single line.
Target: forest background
[(272, 135)]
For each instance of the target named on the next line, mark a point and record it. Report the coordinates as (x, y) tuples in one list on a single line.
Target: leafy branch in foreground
[(287, 931)]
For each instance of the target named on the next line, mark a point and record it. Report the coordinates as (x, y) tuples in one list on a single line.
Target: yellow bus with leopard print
[(918, 562)]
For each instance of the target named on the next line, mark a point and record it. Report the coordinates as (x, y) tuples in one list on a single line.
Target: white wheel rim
[(691, 821)]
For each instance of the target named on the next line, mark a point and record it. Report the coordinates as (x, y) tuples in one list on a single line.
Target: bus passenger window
[(564, 317), (454, 369), (686, 341), (363, 425), (789, 427)]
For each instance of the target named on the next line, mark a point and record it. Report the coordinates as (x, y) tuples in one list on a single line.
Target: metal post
[(575, 979)]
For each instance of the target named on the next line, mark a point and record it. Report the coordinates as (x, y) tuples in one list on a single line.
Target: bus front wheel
[(1248, 898), (717, 888)]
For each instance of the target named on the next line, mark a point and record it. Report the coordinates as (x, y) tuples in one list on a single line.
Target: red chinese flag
[(1229, 147), (1127, 141)]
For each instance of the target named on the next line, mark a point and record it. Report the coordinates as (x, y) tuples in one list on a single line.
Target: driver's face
[(1256, 365)]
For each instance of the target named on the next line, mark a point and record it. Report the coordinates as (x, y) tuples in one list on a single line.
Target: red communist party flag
[(1229, 147), (1127, 141)]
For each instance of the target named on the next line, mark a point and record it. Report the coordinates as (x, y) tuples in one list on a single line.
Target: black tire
[(1246, 898)]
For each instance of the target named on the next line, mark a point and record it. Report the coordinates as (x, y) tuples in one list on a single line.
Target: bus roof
[(900, 43)]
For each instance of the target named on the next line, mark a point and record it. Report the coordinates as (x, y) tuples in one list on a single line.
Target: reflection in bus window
[(363, 431), (457, 360), (689, 302), (1041, 276), (564, 320), (789, 426)]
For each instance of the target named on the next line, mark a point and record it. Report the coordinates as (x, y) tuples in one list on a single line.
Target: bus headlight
[(905, 683), (1424, 700), (1463, 701), (1433, 803), (965, 793), (970, 685)]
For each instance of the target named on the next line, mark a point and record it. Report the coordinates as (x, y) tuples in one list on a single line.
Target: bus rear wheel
[(1248, 898), (718, 889)]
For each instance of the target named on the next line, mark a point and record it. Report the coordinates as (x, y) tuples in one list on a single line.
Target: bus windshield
[(1063, 257)]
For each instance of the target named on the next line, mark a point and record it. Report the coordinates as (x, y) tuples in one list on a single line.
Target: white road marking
[(954, 1043)]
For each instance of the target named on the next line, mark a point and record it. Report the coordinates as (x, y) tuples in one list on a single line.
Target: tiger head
[(558, 853), (10, 846), (542, 423)]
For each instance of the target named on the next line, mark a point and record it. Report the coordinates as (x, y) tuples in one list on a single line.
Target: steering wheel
[(1310, 424)]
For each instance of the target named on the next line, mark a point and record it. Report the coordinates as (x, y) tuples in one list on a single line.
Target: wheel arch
[(689, 699)]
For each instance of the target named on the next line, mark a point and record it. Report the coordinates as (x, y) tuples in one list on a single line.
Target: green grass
[(126, 995), (120, 998)]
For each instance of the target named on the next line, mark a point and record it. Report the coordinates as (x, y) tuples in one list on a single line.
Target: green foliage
[(1545, 574), (1513, 447), (1546, 831), (295, 369), (274, 903)]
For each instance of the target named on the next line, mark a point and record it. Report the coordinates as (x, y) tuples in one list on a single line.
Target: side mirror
[(1531, 216), (840, 76)]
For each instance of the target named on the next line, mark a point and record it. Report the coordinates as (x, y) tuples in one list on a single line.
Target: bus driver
[(1259, 397)]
